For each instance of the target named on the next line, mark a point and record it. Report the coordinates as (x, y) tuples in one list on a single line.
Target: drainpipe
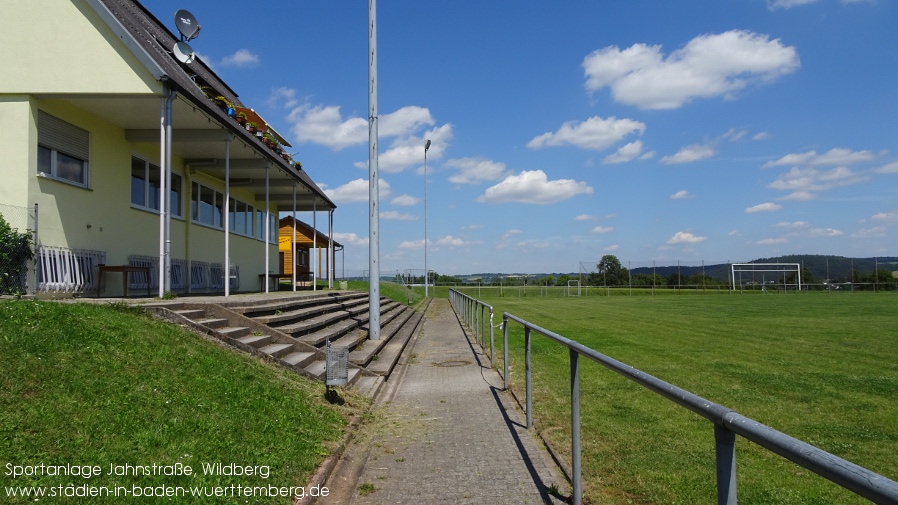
[(165, 161)]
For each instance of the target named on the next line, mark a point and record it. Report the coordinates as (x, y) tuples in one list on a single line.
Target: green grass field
[(820, 367), (107, 385)]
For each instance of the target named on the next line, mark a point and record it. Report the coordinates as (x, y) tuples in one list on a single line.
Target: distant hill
[(821, 267)]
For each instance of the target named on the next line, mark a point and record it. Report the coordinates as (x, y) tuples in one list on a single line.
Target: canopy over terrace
[(194, 129)]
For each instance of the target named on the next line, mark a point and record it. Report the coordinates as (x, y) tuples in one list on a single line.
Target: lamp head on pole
[(427, 145)]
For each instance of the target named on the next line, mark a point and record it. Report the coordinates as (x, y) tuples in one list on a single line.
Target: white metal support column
[(331, 254), (267, 227), (293, 239), (165, 193), (317, 258), (227, 219)]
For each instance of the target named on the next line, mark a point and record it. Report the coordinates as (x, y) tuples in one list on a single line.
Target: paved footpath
[(450, 434)]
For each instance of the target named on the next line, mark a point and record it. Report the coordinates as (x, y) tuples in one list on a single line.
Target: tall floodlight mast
[(426, 147), (373, 204)]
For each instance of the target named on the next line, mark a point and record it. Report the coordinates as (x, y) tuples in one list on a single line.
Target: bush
[(15, 251)]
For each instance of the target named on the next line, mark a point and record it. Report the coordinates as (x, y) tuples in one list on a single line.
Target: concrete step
[(192, 314), (234, 332), (212, 322), (256, 340), (277, 350), (300, 359), (317, 368), (368, 385), (389, 355), (332, 332)]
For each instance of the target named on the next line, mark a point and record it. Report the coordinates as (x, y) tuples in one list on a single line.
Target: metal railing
[(67, 270), (467, 308), (727, 424)]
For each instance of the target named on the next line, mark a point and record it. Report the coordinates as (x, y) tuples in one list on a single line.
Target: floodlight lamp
[(427, 145)]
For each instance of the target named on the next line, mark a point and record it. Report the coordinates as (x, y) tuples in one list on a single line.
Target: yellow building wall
[(16, 127), (73, 47), (101, 217)]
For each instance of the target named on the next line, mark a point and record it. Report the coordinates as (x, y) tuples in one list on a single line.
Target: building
[(314, 252), (96, 107)]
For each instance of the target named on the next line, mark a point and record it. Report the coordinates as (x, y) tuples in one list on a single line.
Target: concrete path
[(449, 434)]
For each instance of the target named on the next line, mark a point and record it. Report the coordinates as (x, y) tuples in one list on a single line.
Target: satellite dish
[(184, 53), (187, 25)]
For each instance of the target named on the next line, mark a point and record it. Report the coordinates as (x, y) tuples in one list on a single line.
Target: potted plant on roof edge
[(241, 118), (252, 127)]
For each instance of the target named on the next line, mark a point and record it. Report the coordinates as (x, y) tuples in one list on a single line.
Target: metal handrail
[(727, 424), (466, 307)]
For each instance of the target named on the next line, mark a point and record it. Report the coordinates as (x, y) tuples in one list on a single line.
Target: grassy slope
[(94, 385), (819, 367)]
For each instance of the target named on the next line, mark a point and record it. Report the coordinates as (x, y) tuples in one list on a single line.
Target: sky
[(657, 131)]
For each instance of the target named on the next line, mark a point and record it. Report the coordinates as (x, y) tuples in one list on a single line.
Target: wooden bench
[(102, 270)]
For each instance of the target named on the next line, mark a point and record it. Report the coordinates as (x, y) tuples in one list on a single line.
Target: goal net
[(766, 275)]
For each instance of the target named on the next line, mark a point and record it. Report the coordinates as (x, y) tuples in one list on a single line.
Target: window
[(146, 187), (207, 207), (63, 150)]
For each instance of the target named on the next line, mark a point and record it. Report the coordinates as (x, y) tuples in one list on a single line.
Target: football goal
[(766, 275), (572, 288)]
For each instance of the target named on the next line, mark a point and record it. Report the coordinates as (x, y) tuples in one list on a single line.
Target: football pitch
[(821, 367)]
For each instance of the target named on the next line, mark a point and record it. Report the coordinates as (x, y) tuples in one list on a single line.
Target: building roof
[(200, 127), (306, 231)]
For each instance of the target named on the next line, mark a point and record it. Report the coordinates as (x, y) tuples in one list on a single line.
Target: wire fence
[(18, 236)]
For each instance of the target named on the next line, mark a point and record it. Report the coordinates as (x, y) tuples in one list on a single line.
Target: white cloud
[(889, 217), (801, 181), (472, 227), (763, 207), (613, 247), (682, 237), (804, 230), (707, 66), (404, 201), (392, 215), (350, 239), (356, 191), (688, 154), (476, 170), (891, 168), (628, 152), (413, 244), (603, 229), (450, 241), (835, 156), (594, 133), (771, 241), (787, 4), (793, 225), (407, 151), (761, 136), (733, 135), (283, 97), (532, 186), (681, 195), (511, 233), (875, 232), (241, 59), (586, 217), (325, 125), (800, 196)]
